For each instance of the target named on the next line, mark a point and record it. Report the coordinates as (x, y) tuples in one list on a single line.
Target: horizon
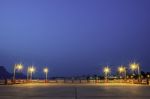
[(114, 72)]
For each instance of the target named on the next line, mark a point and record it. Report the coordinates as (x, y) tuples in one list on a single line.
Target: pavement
[(74, 91)]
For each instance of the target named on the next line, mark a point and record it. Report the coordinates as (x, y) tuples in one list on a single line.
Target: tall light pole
[(17, 67), (31, 70), (106, 71), (135, 66), (45, 70), (122, 69), (28, 71)]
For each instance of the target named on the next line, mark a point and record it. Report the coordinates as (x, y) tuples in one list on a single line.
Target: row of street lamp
[(30, 71), (122, 69)]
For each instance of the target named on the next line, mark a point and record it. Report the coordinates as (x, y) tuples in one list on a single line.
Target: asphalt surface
[(74, 91)]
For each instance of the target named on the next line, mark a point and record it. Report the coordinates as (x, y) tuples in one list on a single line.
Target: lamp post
[(45, 70), (31, 70), (17, 67), (106, 71), (122, 69), (135, 66), (28, 71)]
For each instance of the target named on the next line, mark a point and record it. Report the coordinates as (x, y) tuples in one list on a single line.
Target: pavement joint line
[(76, 93)]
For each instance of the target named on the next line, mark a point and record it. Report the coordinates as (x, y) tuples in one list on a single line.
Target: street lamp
[(134, 66), (31, 70), (45, 70), (17, 67), (122, 69), (106, 71)]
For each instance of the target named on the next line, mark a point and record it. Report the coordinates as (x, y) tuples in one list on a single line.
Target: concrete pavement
[(74, 91)]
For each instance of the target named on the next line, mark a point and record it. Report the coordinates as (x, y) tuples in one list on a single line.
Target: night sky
[(74, 37)]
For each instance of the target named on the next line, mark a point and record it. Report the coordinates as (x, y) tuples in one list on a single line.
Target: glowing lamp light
[(19, 66), (45, 70), (31, 69), (134, 66), (106, 70), (121, 69)]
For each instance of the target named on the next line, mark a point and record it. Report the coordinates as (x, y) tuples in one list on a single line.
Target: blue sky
[(74, 37)]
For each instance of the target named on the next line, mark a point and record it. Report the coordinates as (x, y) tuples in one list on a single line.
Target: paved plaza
[(74, 91)]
